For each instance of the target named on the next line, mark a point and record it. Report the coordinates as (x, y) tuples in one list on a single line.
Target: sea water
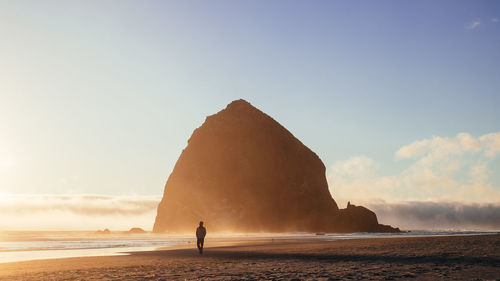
[(34, 245)]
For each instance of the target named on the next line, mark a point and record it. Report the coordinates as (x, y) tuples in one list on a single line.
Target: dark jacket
[(201, 232)]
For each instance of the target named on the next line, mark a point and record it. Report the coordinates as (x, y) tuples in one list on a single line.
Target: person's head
[(201, 223)]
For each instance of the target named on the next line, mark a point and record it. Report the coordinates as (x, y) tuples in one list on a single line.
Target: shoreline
[(463, 257), (153, 242), (106, 246)]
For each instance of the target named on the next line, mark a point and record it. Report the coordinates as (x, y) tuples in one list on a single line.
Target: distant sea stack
[(136, 230), (242, 171)]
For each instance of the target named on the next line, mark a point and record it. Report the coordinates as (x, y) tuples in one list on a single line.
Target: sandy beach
[(457, 257)]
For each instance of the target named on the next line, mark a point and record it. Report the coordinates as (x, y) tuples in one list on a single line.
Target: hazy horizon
[(399, 100)]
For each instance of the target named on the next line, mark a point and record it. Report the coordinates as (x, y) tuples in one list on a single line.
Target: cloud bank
[(76, 212), (435, 172), (421, 215)]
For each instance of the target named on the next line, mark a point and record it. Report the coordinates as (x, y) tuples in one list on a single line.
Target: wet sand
[(456, 257)]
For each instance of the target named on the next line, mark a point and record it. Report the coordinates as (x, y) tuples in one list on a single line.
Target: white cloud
[(491, 144), (438, 147), (473, 25), (479, 173), (494, 20), (451, 169), (360, 166)]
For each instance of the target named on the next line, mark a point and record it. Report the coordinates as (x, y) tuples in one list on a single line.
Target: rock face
[(360, 219), (242, 171)]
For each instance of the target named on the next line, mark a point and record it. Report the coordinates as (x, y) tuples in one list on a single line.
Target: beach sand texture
[(457, 257)]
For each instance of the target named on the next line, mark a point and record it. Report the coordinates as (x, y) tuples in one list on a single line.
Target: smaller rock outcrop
[(105, 231), (360, 219), (136, 230)]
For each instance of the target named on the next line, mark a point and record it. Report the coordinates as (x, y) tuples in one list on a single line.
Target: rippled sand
[(458, 257)]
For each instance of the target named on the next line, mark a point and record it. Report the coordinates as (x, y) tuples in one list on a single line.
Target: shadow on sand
[(222, 253)]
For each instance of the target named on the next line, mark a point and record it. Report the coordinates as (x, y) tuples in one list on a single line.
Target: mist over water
[(76, 212), (438, 215)]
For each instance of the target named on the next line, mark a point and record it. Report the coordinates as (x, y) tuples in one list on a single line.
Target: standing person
[(200, 236)]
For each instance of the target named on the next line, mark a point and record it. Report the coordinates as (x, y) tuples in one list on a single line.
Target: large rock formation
[(242, 171)]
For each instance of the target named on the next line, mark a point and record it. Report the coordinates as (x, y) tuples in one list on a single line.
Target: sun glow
[(6, 160)]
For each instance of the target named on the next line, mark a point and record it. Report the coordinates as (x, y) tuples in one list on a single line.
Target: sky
[(98, 98)]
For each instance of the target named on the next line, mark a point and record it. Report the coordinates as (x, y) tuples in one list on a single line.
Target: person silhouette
[(200, 236)]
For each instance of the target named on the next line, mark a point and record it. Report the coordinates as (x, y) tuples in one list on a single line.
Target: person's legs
[(199, 244), (202, 241)]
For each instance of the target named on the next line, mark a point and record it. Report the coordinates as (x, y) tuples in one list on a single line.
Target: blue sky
[(100, 97)]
